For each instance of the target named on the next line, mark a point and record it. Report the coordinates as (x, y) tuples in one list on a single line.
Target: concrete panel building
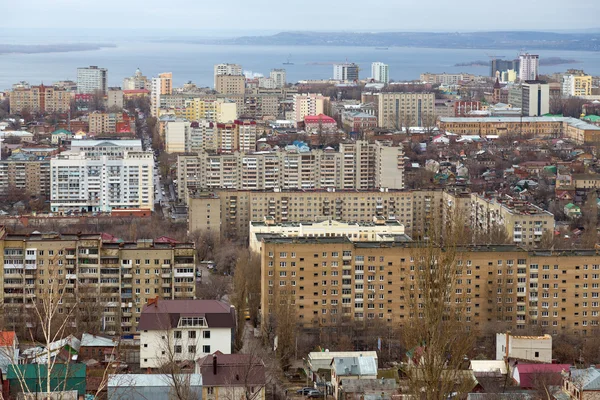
[(92, 79), (230, 84), (398, 110)]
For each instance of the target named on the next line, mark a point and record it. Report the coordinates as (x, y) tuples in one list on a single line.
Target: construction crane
[(493, 56)]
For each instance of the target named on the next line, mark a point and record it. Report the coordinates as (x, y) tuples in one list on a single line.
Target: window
[(177, 349), (177, 334), (206, 334), (206, 348), (537, 354), (192, 334), (210, 390), (192, 349)]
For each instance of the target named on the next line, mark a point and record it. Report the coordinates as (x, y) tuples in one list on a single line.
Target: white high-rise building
[(227, 69), (529, 67), (347, 72), (92, 79), (279, 77), (102, 175), (380, 72)]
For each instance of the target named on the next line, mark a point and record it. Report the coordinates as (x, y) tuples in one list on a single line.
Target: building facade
[(136, 82), (25, 172), (117, 277), (576, 84), (230, 84), (347, 72), (380, 72), (554, 291), (356, 166), (177, 135), (524, 223), (92, 79), (44, 99), (536, 98), (398, 110), (226, 69), (310, 104), (184, 330), (529, 65), (102, 175)]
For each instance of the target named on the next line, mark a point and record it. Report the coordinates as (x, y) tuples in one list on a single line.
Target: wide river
[(194, 62)]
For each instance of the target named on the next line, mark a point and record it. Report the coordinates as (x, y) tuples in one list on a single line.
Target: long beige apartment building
[(333, 281), (108, 280), (356, 166), (415, 210), (40, 99)]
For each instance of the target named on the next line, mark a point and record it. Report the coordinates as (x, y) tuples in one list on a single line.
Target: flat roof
[(569, 120)]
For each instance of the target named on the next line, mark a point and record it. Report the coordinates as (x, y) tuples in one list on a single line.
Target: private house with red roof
[(232, 376), (315, 123), (184, 330), (9, 350), (531, 376)]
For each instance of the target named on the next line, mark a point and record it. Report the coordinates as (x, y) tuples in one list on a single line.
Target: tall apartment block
[(43, 99), (536, 98), (347, 72), (108, 281), (356, 166), (92, 79), (278, 76), (576, 83), (310, 104), (230, 84), (101, 175), (334, 282), (398, 110), (380, 72), (529, 66), (29, 173), (227, 69), (159, 86)]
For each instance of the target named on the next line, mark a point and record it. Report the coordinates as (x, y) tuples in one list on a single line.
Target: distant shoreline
[(546, 62), (51, 48)]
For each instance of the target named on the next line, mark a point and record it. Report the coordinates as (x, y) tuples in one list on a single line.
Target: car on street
[(315, 394), (305, 390)]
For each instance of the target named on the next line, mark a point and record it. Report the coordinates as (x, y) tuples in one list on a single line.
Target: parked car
[(315, 394), (305, 390)]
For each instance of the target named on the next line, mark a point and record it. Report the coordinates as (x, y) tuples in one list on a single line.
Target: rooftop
[(149, 380), (569, 120), (161, 314)]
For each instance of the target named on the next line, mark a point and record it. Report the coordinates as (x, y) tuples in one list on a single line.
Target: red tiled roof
[(7, 338), (319, 118)]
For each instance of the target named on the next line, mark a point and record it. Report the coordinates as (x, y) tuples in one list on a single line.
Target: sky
[(268, 16)]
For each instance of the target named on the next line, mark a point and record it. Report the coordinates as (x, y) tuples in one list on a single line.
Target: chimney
[(214, 364)]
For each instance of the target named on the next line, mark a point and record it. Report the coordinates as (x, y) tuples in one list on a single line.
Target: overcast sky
[(349, 15)]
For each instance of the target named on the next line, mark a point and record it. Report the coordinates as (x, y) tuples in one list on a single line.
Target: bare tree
[(436, 332), (214, 287)]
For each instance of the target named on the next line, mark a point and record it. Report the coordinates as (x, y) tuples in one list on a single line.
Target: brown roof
[(232, 370), (165, 314)]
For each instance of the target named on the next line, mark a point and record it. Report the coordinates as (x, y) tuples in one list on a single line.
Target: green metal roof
[(35, 371)]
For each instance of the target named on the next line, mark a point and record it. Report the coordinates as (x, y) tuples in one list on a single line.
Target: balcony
[(127, 276)]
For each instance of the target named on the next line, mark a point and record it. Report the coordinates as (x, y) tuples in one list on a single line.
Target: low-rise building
[(582, 384), (317, 124), (344, 369), (232, 376), (529, 348), (358, 121), (178, 330), (152, 386), (321, 361)]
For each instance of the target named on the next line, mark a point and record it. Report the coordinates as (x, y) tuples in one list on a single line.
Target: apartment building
[(101, 175), (207, 213), (357, 165), (536, 98), (109, 123), (310, 104), (576, 84), (109, 280), (397, 110), (378, 230), (44, 99), (572, 128), (159, 86), (346, 72), (446, 79), (92, 79), (177, 135), (278, 75), (524, 223), (334, 281), (529, 66), (226, 69), (230, 84), (380, 72), (25, 172)]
